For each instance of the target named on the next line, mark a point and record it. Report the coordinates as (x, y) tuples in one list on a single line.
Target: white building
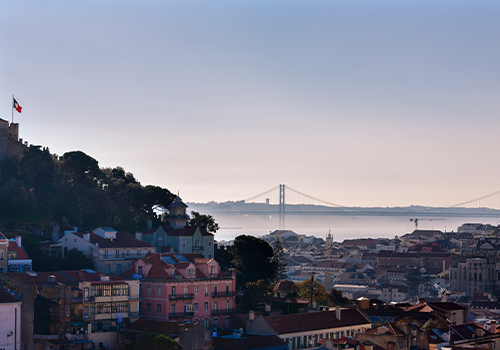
[(10, 322)]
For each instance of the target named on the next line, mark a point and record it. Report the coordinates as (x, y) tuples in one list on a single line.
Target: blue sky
[(356, 102)]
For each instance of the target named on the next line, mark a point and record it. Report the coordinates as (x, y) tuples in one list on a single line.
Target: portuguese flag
[(17, 106)]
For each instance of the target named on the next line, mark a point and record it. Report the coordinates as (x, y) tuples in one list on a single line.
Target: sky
[(360, 103)]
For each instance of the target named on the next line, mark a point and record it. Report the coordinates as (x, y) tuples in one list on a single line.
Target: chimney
[(51, 279), (18, 241), (337, 312), (493, 326), (138, 236)]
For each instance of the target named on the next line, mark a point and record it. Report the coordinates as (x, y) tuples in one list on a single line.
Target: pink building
[(184, 288)]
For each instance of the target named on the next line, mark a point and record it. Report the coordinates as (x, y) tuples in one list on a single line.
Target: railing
[(133, 314), (222, 311), (120, 256), (180, 314), (180, 296), (223, 294), (197, 248)]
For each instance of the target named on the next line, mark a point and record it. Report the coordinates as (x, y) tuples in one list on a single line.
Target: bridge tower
[(282, 207)]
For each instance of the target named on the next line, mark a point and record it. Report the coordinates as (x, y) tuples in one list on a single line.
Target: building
[(184, 288), (478, 272), (10, 322), (178, 237), (395, 336), (112, 252), (18, 260), (305, 330), (84, 309)]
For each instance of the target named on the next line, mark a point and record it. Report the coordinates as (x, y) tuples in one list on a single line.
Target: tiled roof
[(6, 298), (390, 328), (122, 240), (188, 231), (249, 342), (64, 277), (21, 253), (163, 327), (315, 321), (285, 285)]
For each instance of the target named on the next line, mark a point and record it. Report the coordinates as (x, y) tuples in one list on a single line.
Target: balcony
[(197, 248), (180, 296), (222, 311), (180, 314), (223, 294)]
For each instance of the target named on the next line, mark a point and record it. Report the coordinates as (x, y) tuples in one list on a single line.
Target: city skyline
[(356, 103)]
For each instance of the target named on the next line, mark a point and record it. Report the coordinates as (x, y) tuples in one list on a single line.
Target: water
[(341, 227)]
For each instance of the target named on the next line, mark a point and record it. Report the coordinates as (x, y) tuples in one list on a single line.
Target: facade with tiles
[(185, 288)]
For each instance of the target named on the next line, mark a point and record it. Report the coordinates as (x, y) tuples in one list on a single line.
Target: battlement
[(10, 143)]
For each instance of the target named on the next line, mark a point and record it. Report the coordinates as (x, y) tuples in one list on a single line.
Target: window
[(139, 270), (118, 269), (107, 269), (117, 253), (106, 254), (227, 305), (206, 289), (148, 307), (216, 303), (173, 290), (195, 306), (215, 322), (186, 290), (183, 244), (158, 308), (149, 289), (196, 289), (158, 290), (209, 243), (206, 305)]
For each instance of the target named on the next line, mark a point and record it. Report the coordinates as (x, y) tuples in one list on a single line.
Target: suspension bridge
[(283, 201)]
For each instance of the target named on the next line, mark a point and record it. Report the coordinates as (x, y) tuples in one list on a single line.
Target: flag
[(17, 106)]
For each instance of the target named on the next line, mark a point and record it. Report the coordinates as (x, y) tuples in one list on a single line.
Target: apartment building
[(184, 288)]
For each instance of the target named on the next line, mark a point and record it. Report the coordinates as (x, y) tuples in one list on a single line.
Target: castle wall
[(10, 144)]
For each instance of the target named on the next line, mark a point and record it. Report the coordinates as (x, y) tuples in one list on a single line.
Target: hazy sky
[(361, 103)]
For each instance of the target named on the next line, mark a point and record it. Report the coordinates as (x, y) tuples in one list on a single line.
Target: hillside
[(42, 188)]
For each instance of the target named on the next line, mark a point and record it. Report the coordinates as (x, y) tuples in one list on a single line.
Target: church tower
[(177, 217), (329, 240)]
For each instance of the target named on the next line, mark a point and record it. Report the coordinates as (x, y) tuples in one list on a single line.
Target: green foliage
[(308, 287), (203, 221), (258, 291), (337, 298), (252, 260), (430, 324), (152, 341), (279, 260), (76, 260), (39, 187)]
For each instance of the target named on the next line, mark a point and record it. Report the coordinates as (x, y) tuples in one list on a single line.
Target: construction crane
[(417, 220)]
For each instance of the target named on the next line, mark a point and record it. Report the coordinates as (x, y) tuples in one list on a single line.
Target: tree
[(308, 287), (252, 260), (152, 341), (336, 298), (206, 222), (76, 260), (258, 291), (279, 260)]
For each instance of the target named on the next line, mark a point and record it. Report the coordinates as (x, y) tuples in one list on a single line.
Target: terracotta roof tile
[(315, 321)]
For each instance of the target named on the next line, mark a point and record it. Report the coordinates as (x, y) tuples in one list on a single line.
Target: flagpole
[(12, 108)]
